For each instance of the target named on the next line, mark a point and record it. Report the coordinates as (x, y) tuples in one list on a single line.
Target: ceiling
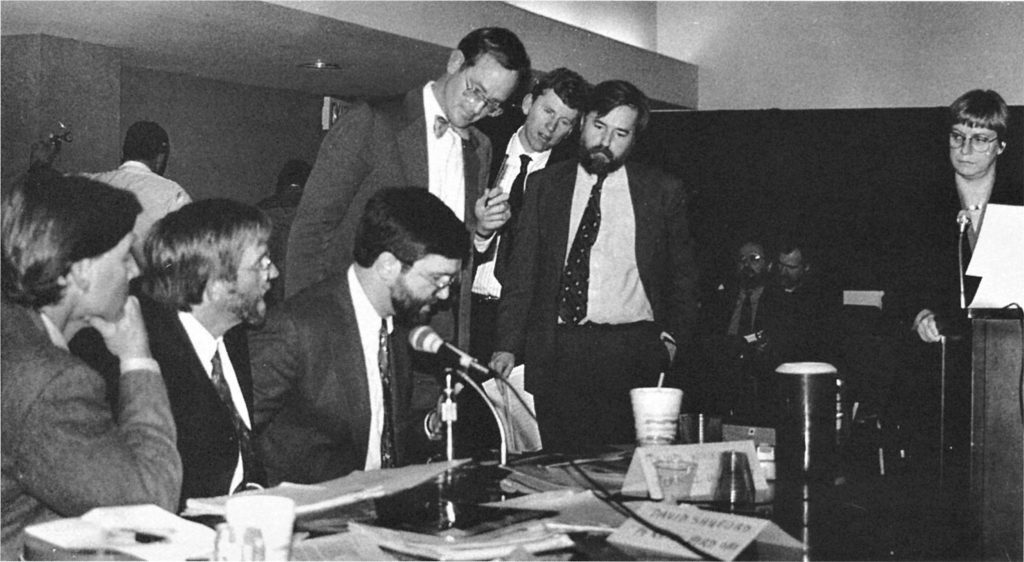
[(252, 43)]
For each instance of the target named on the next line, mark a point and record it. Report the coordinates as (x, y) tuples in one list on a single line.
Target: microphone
[(425, 339), (963, 220)]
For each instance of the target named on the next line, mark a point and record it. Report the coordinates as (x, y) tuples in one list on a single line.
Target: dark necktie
[(515, 197), (572, 294), (387, 436), (250, 466), (746, 314), (515, 200)]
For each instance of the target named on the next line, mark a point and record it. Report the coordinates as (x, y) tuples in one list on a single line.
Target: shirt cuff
[(480, 243), (139, 364), (667, 337)]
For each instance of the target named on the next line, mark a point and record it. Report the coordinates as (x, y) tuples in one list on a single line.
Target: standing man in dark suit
[(431, 144), (331, 368), (600, 285), (206, 270)]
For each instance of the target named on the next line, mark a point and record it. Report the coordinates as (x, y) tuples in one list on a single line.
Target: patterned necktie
[(250, 466), (572, 295), (387, 436)]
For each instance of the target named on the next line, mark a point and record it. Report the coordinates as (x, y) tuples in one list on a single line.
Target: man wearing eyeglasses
[(206, 268), (331, 367), (731, 335), (431, 143)]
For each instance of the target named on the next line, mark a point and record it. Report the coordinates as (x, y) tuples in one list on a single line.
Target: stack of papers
[(355, 487)]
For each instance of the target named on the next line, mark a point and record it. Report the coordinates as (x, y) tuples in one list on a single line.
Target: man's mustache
[(601, 150)]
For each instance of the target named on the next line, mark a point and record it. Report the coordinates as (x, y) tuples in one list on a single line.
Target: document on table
[(355, 487), (998, 258), (519, 418)]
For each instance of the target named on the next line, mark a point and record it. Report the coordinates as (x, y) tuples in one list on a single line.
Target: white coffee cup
[(274, 516), (656, 414)]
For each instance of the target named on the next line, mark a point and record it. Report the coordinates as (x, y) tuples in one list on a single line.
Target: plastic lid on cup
[(807, 368)]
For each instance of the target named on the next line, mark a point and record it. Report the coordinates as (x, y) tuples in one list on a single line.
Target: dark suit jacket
[(206, 435), (312, 401), (528, 310), (367, 150)]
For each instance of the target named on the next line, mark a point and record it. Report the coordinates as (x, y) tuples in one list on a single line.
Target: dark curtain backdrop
[(850, 181)]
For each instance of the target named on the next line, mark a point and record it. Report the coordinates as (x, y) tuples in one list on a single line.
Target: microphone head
[(425, 339)]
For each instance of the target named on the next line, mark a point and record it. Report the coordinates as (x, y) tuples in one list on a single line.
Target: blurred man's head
[(616, 113), (751, 264), (482, 73), (411, 245), (147, 142), (552, 109), (66, 243), (791, 265), (211, 254)]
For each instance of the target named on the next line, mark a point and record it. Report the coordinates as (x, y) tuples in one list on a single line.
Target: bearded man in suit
[(331, 369), (600, 285)]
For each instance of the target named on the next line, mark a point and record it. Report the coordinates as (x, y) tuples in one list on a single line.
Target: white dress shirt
[(616, 294), (205, 346), (484, 282), (368, 321), (444, 158)]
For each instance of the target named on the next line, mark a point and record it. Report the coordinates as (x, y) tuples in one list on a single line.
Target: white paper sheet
[(998, 258), (524, 435)]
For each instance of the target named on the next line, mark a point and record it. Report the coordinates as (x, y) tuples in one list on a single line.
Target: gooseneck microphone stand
[(449, 419)]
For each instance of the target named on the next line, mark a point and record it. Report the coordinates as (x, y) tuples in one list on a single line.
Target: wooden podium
[(997, 433)]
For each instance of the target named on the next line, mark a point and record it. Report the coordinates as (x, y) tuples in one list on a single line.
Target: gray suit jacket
[(63, 451), (367, 150), (312, 404), (528, 310)]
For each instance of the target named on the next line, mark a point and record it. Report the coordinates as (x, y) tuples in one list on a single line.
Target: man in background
[(144, 157), (331, 366), (600, 286)]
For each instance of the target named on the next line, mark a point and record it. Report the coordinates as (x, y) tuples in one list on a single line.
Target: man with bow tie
[(430, 143)]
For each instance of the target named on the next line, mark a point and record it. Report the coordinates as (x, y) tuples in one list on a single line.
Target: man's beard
[(410, 311), (599, 166), (250, 309)]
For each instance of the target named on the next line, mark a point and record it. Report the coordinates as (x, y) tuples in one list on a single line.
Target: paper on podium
[(355, 487), (998, 258), (524, 435)]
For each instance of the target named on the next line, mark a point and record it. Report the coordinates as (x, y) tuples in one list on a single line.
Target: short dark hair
[(144, 141), (498, 42), (199, 243), (610, 94), (981, 108), (789, 243), (294, 172), (52, 221), (569, 86), (410, 223)]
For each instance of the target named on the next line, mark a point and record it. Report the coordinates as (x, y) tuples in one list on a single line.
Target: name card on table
[(642, 479), (722, 535)]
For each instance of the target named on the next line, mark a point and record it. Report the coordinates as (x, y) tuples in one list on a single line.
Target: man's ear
[(216, 291), (527, 103), (388, 266), (455, 61), (1002, 147), (79, 277)]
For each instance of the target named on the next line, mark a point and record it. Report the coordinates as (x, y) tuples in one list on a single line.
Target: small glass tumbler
[(735, 481), (675, 478)]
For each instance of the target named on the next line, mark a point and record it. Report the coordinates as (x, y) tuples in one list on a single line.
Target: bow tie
[(441, 126)]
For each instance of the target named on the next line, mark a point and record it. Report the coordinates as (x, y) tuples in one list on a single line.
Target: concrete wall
[(825, 55), (227, 140), (47, 79)]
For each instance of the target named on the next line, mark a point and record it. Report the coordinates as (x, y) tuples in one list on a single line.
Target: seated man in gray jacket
[(66, 265)]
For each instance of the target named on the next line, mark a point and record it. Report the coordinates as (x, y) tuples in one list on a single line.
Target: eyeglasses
[(440, 282), (751, 259), (475, 95), (262, 266), (979, 143)]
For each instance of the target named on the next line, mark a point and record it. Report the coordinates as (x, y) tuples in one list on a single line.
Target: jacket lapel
[(350, 367)]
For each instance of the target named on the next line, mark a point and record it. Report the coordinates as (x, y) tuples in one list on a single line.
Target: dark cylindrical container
[(806, 423)]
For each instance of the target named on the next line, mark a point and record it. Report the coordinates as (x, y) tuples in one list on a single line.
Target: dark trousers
[(476, 432), (583, 403)]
